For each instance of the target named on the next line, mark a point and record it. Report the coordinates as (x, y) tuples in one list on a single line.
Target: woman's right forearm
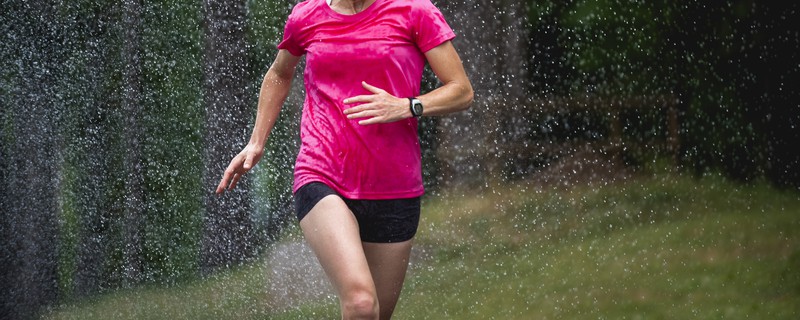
[(274, 90), (273, 93)]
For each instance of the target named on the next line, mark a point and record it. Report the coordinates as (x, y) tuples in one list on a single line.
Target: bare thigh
[(388, 263), (332, 232)]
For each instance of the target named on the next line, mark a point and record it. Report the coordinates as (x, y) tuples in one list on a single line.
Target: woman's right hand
[(241, 163), (274, 89)]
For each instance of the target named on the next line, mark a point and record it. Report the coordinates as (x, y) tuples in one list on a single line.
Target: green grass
[(235, 294), (663, 247)]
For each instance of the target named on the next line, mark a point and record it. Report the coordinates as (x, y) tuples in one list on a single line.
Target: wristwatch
[(416, 107)]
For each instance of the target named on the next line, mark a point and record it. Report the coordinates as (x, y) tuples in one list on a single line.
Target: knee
[(360, 304)]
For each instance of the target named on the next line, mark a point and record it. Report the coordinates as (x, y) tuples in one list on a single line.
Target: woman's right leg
[(332, 232)]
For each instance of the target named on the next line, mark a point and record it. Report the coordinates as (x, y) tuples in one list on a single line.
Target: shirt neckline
[(355, 16)]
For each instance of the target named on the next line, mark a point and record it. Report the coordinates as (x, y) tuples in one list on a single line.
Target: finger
[(229, 173), (371, 88), (248, 161), (357, 99), (220, 187), (363, 114), (359, 115), (235, 180), (359, 108), (224, 182), (372, 117), (369, 121)]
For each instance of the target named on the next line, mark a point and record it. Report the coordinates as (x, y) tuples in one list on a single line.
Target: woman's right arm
[(274, 90)]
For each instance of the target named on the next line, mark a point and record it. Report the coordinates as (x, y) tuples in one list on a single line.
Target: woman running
[(358, 178)]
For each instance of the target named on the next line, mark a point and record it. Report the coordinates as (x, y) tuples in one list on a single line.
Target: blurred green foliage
[(173, 112), (729, 64), (92, 192)]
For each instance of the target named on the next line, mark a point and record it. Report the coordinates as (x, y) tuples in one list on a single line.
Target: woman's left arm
[(454, 95)]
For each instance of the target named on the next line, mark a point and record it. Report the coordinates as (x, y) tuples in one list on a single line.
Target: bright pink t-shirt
[(382, 45)]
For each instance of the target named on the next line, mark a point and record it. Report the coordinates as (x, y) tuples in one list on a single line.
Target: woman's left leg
[(388, 263)]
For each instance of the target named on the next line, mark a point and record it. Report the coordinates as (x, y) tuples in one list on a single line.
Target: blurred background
[(622, 159)]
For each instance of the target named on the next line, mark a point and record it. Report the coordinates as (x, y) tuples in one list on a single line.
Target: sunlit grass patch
[(241, 292), (238, 293), (668, 247)]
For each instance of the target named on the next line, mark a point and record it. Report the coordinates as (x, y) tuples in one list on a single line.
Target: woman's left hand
[(378, 107)]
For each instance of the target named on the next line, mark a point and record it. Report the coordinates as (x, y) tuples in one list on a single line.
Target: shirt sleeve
[(291, 37), (430, 28)]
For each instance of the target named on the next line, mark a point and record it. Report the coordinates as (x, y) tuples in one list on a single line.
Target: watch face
[(416, 108)]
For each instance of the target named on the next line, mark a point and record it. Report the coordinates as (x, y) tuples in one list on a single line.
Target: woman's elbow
[(469, 96)]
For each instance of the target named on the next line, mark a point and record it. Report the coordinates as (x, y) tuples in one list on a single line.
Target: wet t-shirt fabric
[(384, 46)]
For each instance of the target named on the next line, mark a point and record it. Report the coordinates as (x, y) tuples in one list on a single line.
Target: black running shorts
[(381, 221)]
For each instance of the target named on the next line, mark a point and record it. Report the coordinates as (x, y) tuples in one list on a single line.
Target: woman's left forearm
[(456, 92), (451, 97)]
